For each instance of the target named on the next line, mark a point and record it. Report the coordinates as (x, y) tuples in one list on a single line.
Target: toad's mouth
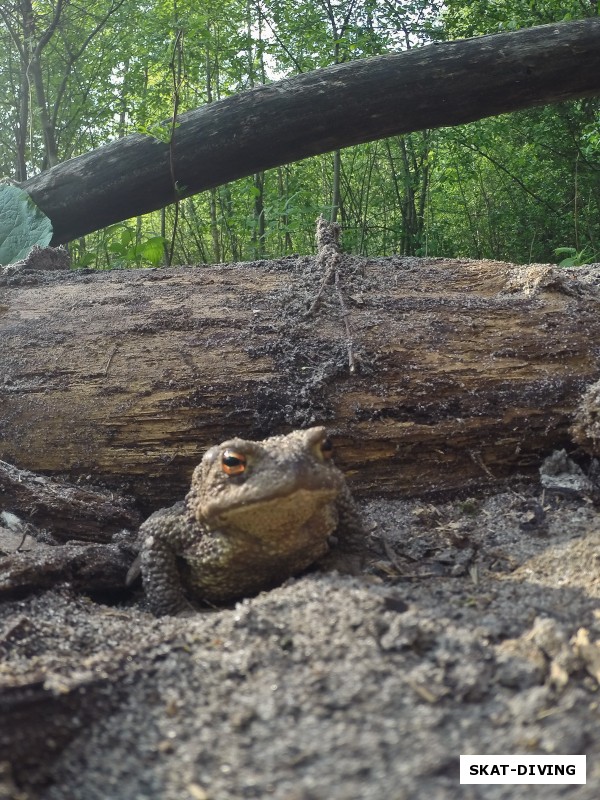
[(287, 510)]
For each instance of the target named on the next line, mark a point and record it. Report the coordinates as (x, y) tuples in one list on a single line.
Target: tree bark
[(431, 374), (69, 511), (317, 112)]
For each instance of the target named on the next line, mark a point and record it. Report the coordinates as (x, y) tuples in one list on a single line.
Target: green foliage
[(122, 243), (574, 257), (161, 131), (22, 224), (119, 246), (513, 187)]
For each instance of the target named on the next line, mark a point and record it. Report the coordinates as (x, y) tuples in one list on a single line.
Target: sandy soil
[(472, 631)]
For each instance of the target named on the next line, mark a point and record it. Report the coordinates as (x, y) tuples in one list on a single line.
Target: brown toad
[(256, 514)]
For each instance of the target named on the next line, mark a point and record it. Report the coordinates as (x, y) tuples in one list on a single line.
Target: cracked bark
[(467, 372)]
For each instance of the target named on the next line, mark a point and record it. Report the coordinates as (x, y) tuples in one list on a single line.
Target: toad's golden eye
[(233, 463), (326, 449)]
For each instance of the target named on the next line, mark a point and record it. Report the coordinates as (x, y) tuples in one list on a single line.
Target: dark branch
[(320, 111)]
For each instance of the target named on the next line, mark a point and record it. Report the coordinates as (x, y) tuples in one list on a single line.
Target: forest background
[(522, 187)]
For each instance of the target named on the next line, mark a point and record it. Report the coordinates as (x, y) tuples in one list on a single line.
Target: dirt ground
[(472, 631)]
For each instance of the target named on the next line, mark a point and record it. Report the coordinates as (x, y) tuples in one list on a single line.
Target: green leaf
[(161, 131), (127, 236), (117, 247), (117, 226), (86, 260), (22, 224), (152, 250)]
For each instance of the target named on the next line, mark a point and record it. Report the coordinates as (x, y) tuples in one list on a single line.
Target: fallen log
[(431, 374), (66, 510), (89, 568), (444, 84)]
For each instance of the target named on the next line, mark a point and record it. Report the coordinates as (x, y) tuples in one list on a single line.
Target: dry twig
[(329, 258)]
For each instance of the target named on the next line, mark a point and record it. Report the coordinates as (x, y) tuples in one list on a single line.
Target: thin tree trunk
[(258, 233), (212, 196), (335, 195), (23, 124), (34, 72), (163, 233), (286, 245), (214, 225)]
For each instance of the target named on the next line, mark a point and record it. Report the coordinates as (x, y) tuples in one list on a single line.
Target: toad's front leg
[(161, 577)]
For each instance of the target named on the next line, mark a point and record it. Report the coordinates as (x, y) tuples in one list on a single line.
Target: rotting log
[(69, 511), (438, 85), (466, 372)]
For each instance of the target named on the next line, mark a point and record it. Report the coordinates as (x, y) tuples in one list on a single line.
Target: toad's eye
[(233, 463), (326, 449)]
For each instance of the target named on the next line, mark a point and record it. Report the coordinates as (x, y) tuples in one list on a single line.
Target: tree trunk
[(336, 194), (48, 132), (258, 232), (22, 126), (431, 374), (214, 226), (35, 76), (321, 111)]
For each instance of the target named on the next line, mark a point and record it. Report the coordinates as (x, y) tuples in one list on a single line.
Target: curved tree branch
[(320, 111)]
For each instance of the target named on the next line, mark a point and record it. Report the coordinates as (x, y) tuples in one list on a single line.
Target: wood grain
[(467, 372)]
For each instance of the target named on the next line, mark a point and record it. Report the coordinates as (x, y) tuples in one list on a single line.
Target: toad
[(256, 514)]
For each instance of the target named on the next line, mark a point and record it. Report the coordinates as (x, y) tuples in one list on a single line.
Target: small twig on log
[(345, 315), (328, 255), (329, 258), (22, 542), (110, 358), (177, 75), (478, 460)]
